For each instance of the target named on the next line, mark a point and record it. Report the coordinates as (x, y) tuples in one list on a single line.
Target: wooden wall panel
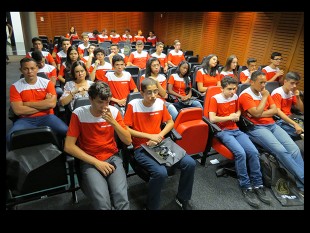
[(59, 23), (209, 33), (240, 36), (105, 21), (297, 63), (121, 22), (44, 26), (223, 37), (260, 39)]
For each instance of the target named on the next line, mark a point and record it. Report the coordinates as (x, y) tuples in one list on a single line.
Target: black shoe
[(184, 205), (261, 194), (250, 197)]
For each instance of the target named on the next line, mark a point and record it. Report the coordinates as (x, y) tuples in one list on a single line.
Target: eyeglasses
[(149, 92), (278, 59)]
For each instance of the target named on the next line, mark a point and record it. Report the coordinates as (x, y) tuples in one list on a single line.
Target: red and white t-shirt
[(283, 101)]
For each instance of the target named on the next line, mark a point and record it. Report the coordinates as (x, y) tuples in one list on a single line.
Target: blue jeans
[(57, 125), (245, 152), (172, 110), (276, 141), (159, 174), (180, 105), (288, 128)]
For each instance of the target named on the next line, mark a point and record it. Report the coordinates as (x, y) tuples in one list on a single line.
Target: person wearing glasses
[(273, 72), (144, 118)]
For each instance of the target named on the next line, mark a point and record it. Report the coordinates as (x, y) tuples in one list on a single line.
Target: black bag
[(167, 152), (277, 178)]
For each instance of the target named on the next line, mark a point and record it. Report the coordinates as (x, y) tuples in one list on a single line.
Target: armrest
[(197, 93), (175, 135), (213, 126)]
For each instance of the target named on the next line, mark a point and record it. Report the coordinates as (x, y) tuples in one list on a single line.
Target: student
[(139, 57), (90, 58), (245, 75), (90, 138), (139, 116), (161, 56), (99, 68), (65, 69), (38, 45), (33, 98), (273, 72), (84, 45), (126, 36), (139, 36), (152, 71), (224, 111), (72, 34), (179, 85), (120, 82), (115, 50), (208, 75), (152, 38), (176, 55), (62, 55), (114, 37), (103, 36), (49, 70), (230, 68), (284, 97), (257, 105)]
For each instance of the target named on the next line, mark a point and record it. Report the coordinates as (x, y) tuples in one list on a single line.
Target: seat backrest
[(192, 59), (31, 137), (213, 90), (241, 87), (132, 96), (270, 86), (189, 53), (82, 101), (193, 129), (134, 71)]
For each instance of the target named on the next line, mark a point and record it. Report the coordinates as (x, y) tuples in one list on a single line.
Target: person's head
[(99, 95), (139, 45), (91, 48), (291, 80), (72, 30), (37, 43), (152, 67), (210, 64), (258, 81), (104, 31), (113, 32), (149, 91), (72, 54), (99, 53), (177, 45), (251, 62), (85, 37), (151, 33), (276, 58), (114, 48), (160, 47), (183, 69), (118, 63), (127, 31), (140, 32), (231, 63), (95, 32), (79, 71), (39, 58), (29, 68), (229, 86), (65, 44)]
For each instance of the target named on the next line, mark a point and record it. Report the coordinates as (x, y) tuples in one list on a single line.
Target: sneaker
[(260, 192), (184, 205), (250, 197)]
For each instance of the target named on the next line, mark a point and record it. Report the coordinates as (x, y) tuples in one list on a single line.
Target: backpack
[(279, 179)]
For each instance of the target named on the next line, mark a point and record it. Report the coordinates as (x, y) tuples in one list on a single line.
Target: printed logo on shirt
[(154, 113), (41, 89)]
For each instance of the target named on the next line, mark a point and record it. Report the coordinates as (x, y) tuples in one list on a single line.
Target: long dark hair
[(186, 77), (206, 65)]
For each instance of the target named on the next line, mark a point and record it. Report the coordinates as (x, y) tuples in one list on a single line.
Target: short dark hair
[(34, 39), (79, 63), (251, 60), (100, 89), (292, 75), (275, 54), (147, 82), (116, 58), (228, 80), (37, 55), (257, 73)]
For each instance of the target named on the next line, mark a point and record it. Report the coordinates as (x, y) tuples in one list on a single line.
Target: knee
[(190, 162), (160, 174)]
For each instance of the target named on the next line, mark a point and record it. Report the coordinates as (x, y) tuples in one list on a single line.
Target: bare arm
[(72, 149), (20, 109), (232, 117), (283, 116), (258, 111)]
